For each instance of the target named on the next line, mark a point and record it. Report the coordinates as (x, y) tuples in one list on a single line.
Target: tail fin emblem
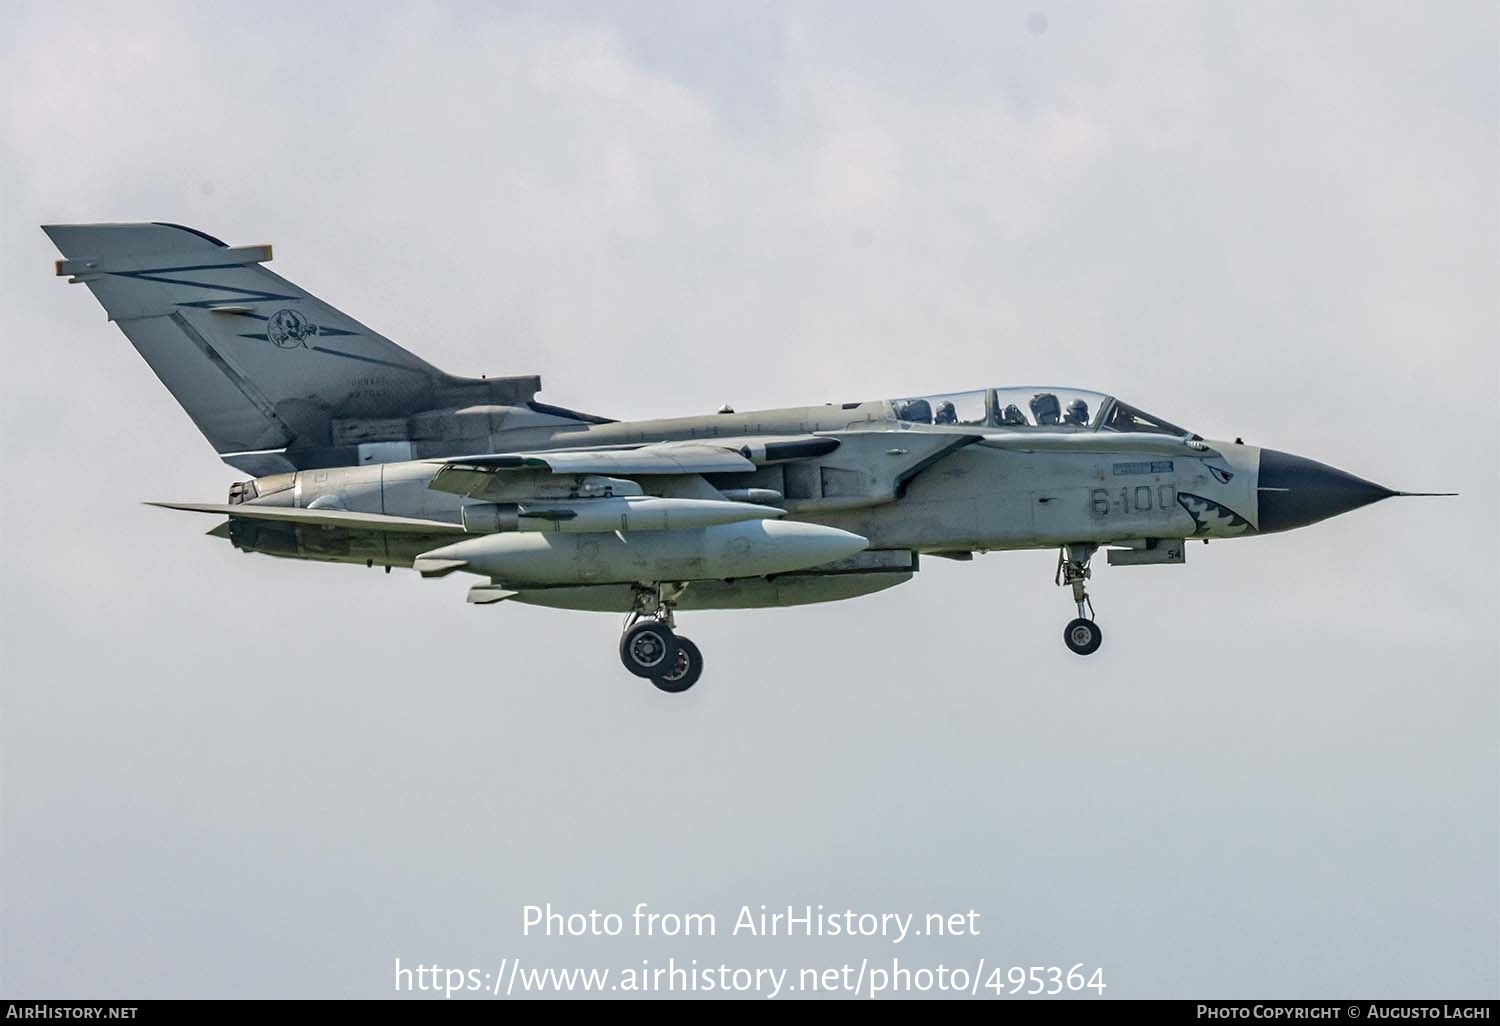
[(289, 329)]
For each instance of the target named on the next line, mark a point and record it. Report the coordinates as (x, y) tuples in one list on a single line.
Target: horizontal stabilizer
[(321, 517)]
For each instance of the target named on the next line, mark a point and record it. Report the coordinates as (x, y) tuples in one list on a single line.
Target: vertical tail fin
[(256, 361)]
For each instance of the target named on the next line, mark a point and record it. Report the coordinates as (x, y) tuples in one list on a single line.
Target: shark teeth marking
[(1212, 517)]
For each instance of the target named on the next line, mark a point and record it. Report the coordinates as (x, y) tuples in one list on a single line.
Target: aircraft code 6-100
[(1140, 499)]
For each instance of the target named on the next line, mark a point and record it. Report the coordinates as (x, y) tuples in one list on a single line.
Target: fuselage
[(901, 484), (362, 452)]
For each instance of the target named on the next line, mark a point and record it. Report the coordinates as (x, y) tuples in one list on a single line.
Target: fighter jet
[(360, 452)]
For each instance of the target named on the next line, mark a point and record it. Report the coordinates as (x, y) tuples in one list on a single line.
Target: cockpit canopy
[(1049, 409)]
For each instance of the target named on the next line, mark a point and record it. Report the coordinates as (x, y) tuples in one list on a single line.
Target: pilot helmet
[(1078, 413), (946, 414)]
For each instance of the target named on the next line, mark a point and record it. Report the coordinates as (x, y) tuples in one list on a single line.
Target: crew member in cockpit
[(945, 414), (1045, 408), (916, 411), (1077, 413), (1013, 417)]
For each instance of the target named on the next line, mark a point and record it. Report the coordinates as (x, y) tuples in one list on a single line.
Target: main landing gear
[(1082, 635), (650, 646)]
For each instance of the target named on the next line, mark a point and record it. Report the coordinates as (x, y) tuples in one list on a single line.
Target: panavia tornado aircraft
[(361, 452)]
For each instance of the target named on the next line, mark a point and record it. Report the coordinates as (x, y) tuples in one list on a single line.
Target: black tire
[(647, 648), (1083, 636), (687, 668)]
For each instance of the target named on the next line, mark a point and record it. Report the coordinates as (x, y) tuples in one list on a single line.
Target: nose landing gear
[(1082, 635), (650, 646)]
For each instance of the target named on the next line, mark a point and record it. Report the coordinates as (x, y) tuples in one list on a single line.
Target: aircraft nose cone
[(1295, 492)]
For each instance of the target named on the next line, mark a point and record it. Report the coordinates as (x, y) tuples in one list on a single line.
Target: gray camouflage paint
[(331, 415)]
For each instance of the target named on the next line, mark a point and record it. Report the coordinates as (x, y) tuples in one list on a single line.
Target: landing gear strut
[(1082, 635), (650, 646)]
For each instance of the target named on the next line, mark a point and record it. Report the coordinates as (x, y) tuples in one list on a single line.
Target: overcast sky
[(232, 775)]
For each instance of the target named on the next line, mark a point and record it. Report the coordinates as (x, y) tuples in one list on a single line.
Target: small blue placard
[(1153, 467)]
